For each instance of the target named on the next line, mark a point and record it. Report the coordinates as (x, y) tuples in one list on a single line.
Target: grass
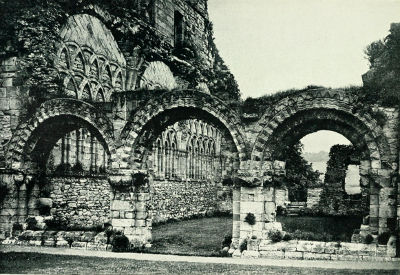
[(338, 228), (25, 262), (201, 237)]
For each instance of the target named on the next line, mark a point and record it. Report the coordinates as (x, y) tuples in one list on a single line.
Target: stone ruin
[(132, 142)]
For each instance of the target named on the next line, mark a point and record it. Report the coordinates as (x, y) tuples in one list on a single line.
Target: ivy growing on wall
[(31, 31), (334, 200)]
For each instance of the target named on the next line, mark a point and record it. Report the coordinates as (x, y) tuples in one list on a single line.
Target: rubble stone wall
[(182, 199), (313, 196), (81, 201)]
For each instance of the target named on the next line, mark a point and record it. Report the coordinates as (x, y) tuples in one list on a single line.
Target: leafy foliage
[(227, 241), (275, 235), (250, 219), (368, 239), (258, 105), (287, 237), (120, 243), (382, 81), (383, 238), (243, 245), (299, 173)]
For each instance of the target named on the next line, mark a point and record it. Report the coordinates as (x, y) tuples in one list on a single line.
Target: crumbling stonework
[(81, 201), (313, 196), (92, 80)]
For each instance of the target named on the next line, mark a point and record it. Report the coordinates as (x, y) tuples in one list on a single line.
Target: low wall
[(312, 250), (177, 199)]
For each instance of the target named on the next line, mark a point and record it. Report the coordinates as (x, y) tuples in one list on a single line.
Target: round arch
[(167, 108), (294, 117), (68, 113)]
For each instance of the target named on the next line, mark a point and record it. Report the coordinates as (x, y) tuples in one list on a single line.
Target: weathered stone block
[(268, 245), (96, 246), (252, 207), (341, 257), (272, 226), (331, 247), (49, 243), (304, 246), (63, 244), (293, 255), (272, 254), (129, 215), (120, 205), (79, 245), (87, 236), (351, 248), (250, 254), (34, 243), (122, 222), (316, 256)]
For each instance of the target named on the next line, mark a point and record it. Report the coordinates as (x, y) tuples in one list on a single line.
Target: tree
[(299, 173), (382, 81)]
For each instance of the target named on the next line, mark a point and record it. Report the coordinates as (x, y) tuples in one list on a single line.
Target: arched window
[(189, 161), (166, 159), (79, 63), (173, 160), (178, 29), (100, 95), (86, 94), (197, 157), (94, 70), (64, 59)]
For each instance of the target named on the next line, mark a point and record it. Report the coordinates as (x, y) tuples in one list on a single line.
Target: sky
[(274, 45)]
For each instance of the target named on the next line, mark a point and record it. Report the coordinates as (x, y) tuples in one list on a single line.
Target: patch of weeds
[(383, 238), (275, 236), (243, 245), (368, 239), (250, 219)]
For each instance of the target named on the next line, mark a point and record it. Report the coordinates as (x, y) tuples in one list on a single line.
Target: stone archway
[(25, 178), (169, 107), (295, 116), (26, 136), (144, 126)]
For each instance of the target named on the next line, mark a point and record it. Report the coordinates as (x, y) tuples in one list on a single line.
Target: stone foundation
[(311, 250)]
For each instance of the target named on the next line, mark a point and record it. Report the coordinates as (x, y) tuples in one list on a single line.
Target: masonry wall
[(195, 18), (313, 196), (81, 201), (182, 199), (11, 101)]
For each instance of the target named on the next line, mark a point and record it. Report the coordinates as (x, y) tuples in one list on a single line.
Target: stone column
[(129, 207), (251, 203), (373, 208), (236, 217), (14, 207)]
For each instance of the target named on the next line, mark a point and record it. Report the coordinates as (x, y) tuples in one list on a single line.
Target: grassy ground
[(203, 237), (14, 262), (338, 228)]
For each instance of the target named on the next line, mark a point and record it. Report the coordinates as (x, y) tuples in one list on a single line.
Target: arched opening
[(68, 159), (368, 151), (64, 158), (194, 188)]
